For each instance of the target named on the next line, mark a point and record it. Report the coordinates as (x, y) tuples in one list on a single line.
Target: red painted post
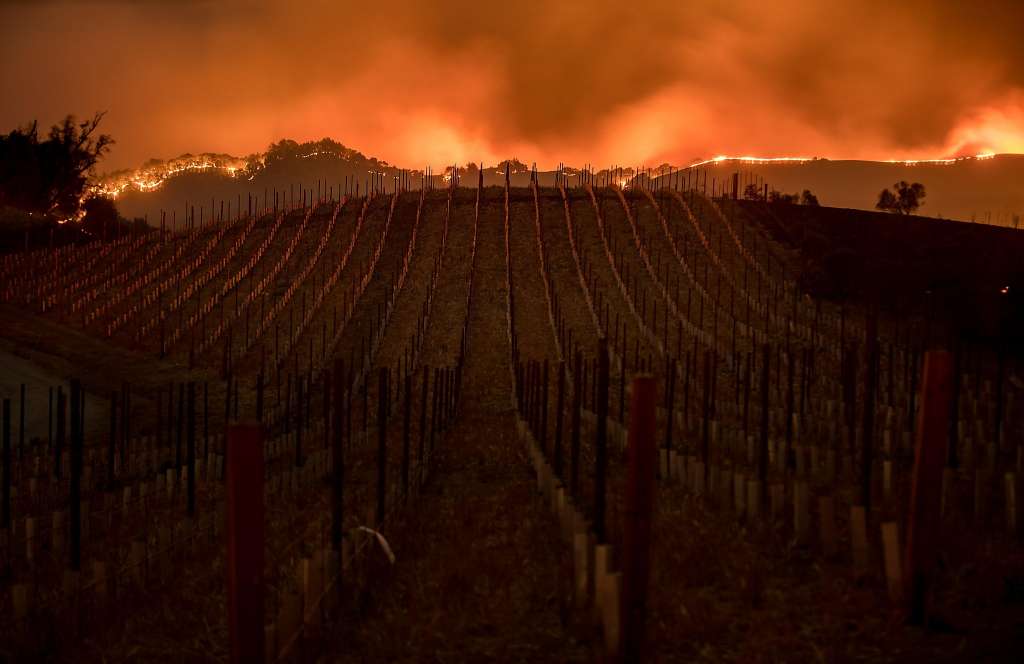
[(640, 487), (926, 483), (245, 530)]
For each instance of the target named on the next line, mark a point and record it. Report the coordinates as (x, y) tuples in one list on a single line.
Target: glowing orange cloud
[(604, 83)]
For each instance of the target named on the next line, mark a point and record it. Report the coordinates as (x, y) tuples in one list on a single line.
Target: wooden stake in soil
[(191, 450), (574, 452), (406, 422), (545, 381), (75, 488), (181, 427), (868, 429), (245, 530), (926, 483), (434, 403), (705, 452), (259, 396), (601, 446), (300, 384), (640, 488), (338, 458), (559, 420), (762, 457), (21, 423), (5, 499), (58, 448), (423, 421), (670, 406), (382, 442), (112, 441)]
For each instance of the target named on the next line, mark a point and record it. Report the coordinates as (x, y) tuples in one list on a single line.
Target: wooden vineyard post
[(58, 448), (423, 425), (382, 446), (868, 429), (191, 451), (670, 405), (300, 385), (601, 446), (338, 458), (544, 407), (954, 411), (259, 396), (325, 380), (5, 499), (574, 451), (21, 424), (245, 531), (923, 520), (112, 443), (559, 420), (762, 457), (180, 431), (640, 489), (788, 461), (75, 485), (406, 423), (705, 445), (433, 408), (206, 424)]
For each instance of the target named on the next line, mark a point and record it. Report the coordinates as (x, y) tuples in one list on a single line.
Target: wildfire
[(746, 159), (751, 160), (152, 177), (915, 162)]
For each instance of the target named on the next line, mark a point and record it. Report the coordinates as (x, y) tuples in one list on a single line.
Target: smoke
[(417, 83)]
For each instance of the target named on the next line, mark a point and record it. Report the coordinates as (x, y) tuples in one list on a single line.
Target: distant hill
[(985, 190), (989, 190)]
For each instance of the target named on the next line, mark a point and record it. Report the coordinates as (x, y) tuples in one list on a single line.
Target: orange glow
[(149, 178), (438, 84)]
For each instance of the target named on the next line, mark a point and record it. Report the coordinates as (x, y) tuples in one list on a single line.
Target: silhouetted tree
[(50, 176), (887, 201), (776, 196), (911, 196), (903, 198), (807, 198), (753, 193), (101, 218)]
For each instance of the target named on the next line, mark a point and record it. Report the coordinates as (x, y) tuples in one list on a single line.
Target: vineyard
[(497, 423)]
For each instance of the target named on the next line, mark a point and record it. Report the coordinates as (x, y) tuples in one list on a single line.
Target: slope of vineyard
[(444, 379)]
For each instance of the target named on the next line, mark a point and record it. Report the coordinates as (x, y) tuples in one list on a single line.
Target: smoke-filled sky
[(418, 82)]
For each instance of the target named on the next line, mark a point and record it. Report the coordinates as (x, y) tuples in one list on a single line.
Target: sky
[(417, 82)]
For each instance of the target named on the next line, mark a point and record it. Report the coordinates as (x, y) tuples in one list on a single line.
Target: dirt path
[(479, 565)]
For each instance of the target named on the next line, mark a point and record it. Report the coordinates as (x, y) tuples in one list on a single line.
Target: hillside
[(968, 275), (984, 190)]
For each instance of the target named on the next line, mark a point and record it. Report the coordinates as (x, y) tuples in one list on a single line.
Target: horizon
[(745, 158), (989, 193)]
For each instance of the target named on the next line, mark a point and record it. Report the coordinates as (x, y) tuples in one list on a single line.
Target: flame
[(152, 178), (747, 159), (750, 160), (953, 160)]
